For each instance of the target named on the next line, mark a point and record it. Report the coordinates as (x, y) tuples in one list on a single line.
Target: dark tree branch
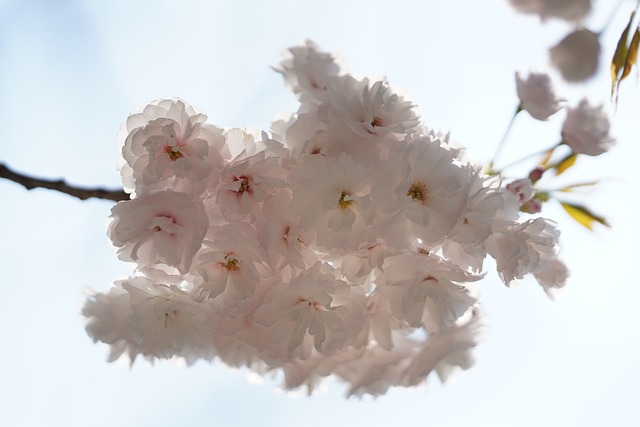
[(30, 183)]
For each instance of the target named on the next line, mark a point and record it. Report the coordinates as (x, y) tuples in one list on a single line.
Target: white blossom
[(310, 312), (359, 111), (576, 56), (524, 248), (170, 146), (165, 227), (465, 244), (280, 233), (422, 190), (428, 291), (154, 320), (308, 71), (553, 277), (587, 129), (246, 182), (337, 207), (537, 95), (230, 263), (345, 242)]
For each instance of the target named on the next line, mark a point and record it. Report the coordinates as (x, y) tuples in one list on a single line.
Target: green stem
[(504, 136), (529, 156)]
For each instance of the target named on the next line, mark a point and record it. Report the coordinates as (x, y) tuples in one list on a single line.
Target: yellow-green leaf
[(570, 188), (566, 163), (583, 215), (632, 55), (620, 55), (547, 156)]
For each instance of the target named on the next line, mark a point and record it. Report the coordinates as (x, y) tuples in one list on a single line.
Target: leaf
[(632, 55), (566, 163), (570, 188), (543, 196), (583, 215), (625, 57), (620, 55), (547, 156)]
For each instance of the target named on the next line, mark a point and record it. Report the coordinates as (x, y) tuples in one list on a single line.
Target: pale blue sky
[(72, 70)]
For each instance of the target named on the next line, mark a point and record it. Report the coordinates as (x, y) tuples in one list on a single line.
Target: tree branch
[(30, 183)]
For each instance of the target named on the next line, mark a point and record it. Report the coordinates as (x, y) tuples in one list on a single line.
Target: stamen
[(231, 264), (418, 192), (342, 203), (173, 153), (244, 185)]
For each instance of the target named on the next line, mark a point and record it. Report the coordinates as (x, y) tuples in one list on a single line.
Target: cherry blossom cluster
[(346, 241)]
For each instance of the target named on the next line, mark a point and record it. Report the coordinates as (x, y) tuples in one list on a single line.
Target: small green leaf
[(543, 196), (583, 215), (548, 154), (566, 163)]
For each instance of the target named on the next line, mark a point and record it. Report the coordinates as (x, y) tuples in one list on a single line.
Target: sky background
[(71, 72)]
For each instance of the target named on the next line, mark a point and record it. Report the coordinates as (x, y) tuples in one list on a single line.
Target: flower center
[(171, 314), (244, 184), (418, 192), (377, 121), (173, 152), (343, 203), (231, 264)]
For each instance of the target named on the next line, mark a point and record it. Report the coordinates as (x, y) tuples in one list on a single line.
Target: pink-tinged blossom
[(532, 206), (140, 316), (422, 191), (428, 291), (285, 243), (525, 248), (465, 243), (230, 263), (308, 71), (553, 277), (522, 188), (446, 352), (167, 321), (108, 321), (345, 243), (313, 311), (380, 322), (359, 111), (244, 143), (165, 227), (307, 135), (411, 360), (311, 372), (246, 182), (587, 129), (356, 265), (169, 146), (335, 206), (378, 369), (537, 95)]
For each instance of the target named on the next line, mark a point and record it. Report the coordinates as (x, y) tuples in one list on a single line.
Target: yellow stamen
[(418, 192), (342, 203)]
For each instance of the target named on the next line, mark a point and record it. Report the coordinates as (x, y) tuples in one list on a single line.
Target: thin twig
[(30, 183), (504, 136)]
